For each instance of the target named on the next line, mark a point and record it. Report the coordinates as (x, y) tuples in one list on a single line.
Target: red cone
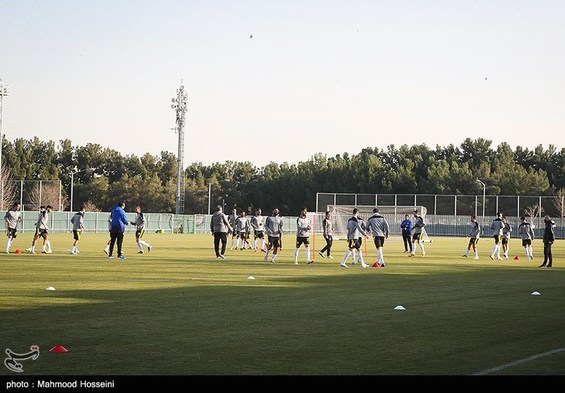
[(18, 251), (58, 348), (376, 264), (516, 258)]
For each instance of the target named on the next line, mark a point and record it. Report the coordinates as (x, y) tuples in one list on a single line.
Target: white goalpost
[(393, 214)]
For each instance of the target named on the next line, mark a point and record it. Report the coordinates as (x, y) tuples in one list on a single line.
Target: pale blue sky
[(318, 76)]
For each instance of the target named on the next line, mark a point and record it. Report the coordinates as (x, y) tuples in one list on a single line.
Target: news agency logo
[(12, 361)]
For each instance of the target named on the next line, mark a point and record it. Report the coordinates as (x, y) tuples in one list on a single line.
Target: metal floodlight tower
[(180, 104), (3, 93)]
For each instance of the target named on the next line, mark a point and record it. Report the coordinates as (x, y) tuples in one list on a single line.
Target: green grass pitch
[(180, 311)]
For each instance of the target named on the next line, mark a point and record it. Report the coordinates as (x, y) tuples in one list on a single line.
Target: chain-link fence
[(32, 194), (455, 205)]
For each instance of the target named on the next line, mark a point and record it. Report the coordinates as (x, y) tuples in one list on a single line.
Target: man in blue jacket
[(118, 224)]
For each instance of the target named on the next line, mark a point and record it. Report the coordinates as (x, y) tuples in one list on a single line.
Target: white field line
[(512, 364)]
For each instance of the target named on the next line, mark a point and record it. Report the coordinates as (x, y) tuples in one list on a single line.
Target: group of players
[(14, 216), (501, 230), (239, 227), (268, 233)]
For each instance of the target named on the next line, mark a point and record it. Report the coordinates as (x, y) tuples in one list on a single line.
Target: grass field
[(180, 311)]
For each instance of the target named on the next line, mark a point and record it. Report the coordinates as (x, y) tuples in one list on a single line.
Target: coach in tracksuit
[(118, 227), (220, 227)]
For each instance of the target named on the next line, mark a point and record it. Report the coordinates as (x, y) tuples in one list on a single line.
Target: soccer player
[(274, 231), (242, 227), (78, 226), (12, 217), (548, 239), (107, 248), (355, 233), (406, 228), (473, 237), (302, 235), (234, 238), (417, 233), (505, 236), (378, 226), (139, 223), (258, 224), (527, 234), (220, 227), (497, 227), (327, 228), (42, 230)]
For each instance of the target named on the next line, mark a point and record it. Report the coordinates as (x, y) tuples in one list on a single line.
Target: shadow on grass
[(453, 324)]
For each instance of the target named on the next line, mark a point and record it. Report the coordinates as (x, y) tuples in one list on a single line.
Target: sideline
[(512, 364)]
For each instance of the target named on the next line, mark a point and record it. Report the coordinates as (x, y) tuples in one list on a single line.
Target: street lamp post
[(224, 203), (484, 197), (209, 197), (3, 93), (73, 187)]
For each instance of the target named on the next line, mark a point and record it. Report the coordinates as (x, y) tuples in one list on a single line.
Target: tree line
[(103, 176)]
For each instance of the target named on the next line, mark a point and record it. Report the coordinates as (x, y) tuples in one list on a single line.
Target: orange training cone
[(18, 251), (58, 348), (516, 258)]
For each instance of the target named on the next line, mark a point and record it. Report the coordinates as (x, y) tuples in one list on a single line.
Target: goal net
[(393, 214)]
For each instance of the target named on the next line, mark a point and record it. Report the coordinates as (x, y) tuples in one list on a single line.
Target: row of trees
[(102, 176)]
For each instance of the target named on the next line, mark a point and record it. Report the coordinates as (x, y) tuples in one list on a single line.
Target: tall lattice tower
[(180, 104)]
